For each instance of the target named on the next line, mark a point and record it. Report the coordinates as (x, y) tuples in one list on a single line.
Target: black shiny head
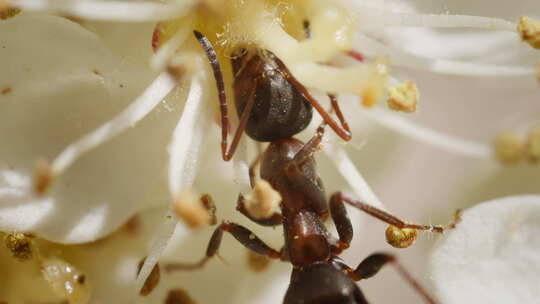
[(322, 284), (280, 111)]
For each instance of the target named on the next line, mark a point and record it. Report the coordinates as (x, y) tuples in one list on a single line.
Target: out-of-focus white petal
[(492, 255), (130, 11), (64, 83)]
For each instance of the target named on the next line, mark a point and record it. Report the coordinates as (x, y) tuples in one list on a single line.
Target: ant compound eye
[(400, 238), (66, 280)]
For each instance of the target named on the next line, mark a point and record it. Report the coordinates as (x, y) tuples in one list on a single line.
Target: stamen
[(355, 180), (167, 50), (509, 148), (186, 140), (355, 79), (403, 97), (127, 11), (423, 134), (529, 30), (263, 201), (372, 47), (7, 11), (241, 167), (136, 111), (370, 16), (181, 170), (189, 207)]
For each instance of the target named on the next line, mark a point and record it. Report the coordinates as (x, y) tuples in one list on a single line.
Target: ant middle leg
[(393, 220), (240, 233), (342, 222)]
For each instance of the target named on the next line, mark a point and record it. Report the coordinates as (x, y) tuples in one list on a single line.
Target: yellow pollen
[(400, 238), (509, 148), (403, 97), (188, 207), (263, 201), (19, 245), (529, 30), (43, 177), (7, 11)]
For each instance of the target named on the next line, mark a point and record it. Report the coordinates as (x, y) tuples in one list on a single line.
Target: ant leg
[(339, 114), (312, 189), (240, 233), (395, 221), (342, 221), (373, 263), (218, 75), (274, 220), (341, 131)]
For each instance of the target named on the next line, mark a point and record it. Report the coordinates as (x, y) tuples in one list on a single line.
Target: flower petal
[(64, 83), (492, 255)]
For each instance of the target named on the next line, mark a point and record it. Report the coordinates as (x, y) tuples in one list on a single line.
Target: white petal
[(65, 82), (109, 10), (492, 255)]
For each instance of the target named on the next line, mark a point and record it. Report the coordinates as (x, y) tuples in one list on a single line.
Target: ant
[(271, 103), (319, 276)]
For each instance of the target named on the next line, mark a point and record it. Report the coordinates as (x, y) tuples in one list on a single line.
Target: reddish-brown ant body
[(262, 86), (319, 276), (271, 103)]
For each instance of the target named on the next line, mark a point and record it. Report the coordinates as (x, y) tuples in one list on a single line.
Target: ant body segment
[(319, 276), (271, 103)]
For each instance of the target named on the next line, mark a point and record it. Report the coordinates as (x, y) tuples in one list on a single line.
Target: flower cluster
[(108, 114)]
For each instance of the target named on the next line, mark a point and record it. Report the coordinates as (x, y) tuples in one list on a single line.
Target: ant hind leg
[(371, 265), (240, 233)]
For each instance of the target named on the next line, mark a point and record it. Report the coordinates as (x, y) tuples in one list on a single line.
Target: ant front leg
[(227, 154), (400, 233), (240, 233)]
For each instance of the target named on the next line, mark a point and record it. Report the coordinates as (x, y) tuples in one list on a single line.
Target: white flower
[(95, 194), (492, 256)]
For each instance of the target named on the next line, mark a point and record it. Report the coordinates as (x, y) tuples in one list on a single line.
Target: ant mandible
[(319, 276), (271, 103)]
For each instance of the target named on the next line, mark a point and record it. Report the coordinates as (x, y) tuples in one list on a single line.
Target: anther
[(529, 30), (509, 148), (179, 296), (19, 245), (403, 97), (43, 177), (189, 207), (152, 281), (257, 262), (400, 237), (263, 201), (7, 11)]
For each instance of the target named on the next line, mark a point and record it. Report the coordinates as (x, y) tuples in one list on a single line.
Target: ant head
[(322, 283)]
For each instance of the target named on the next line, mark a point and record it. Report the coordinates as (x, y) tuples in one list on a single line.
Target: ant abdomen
[(322, 283)]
